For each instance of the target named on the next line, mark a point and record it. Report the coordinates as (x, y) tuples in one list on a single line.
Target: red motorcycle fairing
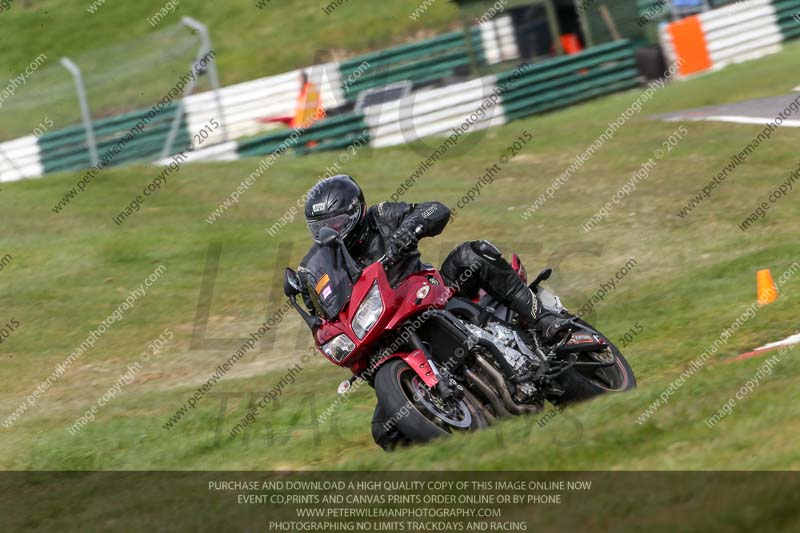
[(418, 292), (420, 364), (415, 360), (519, 268)]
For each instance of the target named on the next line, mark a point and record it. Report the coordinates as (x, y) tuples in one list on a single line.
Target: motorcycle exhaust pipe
[(487, 391), (490, 418), (500, 382), (498, 355)]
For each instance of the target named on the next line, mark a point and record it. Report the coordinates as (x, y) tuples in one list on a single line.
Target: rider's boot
[(531, 315)]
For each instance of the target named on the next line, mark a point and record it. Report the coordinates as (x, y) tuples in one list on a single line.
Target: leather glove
[(400, 242)]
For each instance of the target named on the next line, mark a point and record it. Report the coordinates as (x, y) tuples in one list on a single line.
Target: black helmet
[(337, 203)]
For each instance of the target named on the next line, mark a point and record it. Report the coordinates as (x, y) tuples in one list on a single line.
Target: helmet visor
[(342, 224)]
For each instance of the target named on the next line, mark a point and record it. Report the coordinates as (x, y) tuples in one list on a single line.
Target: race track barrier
[(432, 59), (564, 81), (464, 107), (472, 105), (418, 62), (732, 34), (20, 159), (248, 106), (331, 133), (245, 105), (135, 136)]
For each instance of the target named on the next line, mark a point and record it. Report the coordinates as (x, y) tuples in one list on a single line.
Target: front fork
[(441, 377)]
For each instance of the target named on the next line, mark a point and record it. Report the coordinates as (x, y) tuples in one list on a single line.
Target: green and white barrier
[(459, 108), (467, 106)]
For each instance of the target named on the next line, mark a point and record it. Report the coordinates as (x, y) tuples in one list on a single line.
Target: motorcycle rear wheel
[(581, 384), (418, 412)]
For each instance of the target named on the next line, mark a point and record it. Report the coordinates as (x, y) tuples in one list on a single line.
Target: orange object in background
[(309, 107), (689, 43), (571, 44), (767, 291)]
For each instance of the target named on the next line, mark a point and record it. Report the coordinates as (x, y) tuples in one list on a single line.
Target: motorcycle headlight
[(339, 347), (368, 312)]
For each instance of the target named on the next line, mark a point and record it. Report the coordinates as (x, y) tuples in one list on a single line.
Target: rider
[(393, 229)]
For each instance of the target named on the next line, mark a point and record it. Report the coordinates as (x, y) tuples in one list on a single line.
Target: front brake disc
[(422, 393)]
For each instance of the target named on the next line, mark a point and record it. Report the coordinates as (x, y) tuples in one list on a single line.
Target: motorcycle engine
[(505, 339), (503, 334)]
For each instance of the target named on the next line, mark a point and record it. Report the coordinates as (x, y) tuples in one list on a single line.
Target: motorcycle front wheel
[(419, 412)]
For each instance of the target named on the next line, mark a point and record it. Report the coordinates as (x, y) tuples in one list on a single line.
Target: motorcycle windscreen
[(329, 285)]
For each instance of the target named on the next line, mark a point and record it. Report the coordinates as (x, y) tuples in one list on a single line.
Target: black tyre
[(418, 412), (582, 383)]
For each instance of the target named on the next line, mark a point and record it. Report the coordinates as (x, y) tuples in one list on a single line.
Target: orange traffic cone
[(767, 291)]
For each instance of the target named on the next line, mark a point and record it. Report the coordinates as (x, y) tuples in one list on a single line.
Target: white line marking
[(788, 341), (758, 352), (747, 120)]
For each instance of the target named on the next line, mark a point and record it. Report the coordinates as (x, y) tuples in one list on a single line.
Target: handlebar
[(388, 261)]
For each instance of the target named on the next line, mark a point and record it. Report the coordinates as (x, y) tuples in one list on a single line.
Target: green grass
[(694, 277)]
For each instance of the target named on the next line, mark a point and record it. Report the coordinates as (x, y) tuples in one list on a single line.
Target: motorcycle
[(441, 364)]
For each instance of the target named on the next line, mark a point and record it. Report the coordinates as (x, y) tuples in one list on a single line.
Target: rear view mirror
[(328, 236), (291, 283), (291, 288)]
